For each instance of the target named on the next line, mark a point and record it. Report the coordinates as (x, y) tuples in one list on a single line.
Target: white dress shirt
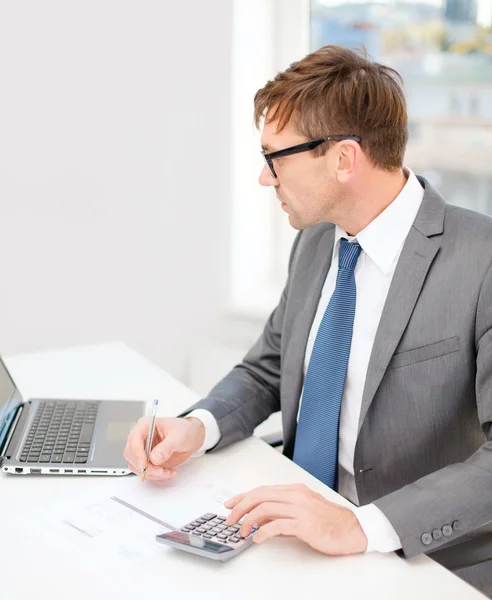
[(381, 241)]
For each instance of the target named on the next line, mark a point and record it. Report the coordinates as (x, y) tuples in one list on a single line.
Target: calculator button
[(194, 524), (229, 531), (200, 530), (208, 536), (208, 516), (221, 527), (220, 518), (206, 527), (221, 536), (235, 539), (185, 529), (201, 521), (190, 526)]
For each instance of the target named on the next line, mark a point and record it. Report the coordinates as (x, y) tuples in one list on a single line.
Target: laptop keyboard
[(60, 433)]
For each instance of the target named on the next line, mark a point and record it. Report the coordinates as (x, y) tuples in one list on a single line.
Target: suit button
[(447, 530), (457, 526), (426, 539), (437, 534)]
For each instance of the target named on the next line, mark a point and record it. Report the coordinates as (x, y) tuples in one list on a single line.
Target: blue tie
[(316, 444)]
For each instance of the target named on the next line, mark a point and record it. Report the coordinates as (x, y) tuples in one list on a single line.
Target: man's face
[(308, 191)]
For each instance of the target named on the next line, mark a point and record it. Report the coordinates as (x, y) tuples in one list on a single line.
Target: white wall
[(114, 174), (267, 36)]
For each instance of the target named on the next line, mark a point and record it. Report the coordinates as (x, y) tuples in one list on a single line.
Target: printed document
[(116, 524)]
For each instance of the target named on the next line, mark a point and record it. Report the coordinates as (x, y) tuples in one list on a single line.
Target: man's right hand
[(174, 441)]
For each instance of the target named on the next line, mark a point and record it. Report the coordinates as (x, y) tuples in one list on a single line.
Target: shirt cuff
[(212, 431), (381, 536)]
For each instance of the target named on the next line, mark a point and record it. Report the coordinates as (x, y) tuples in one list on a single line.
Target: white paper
[(101, 532), (117, 526)]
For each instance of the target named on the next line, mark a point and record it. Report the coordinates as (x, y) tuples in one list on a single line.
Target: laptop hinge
[(13, 426)]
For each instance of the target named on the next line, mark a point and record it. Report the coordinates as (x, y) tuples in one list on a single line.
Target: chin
[(296, 224)]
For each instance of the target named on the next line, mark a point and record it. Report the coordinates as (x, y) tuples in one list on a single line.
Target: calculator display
[(198, 542)]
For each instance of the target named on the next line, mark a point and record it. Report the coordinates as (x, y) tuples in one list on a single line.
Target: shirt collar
[(382, 239)]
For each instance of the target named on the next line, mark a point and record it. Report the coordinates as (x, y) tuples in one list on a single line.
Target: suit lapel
[(309, 281), (417, 256)]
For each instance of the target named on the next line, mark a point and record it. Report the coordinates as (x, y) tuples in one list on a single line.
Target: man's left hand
[(295, 510)]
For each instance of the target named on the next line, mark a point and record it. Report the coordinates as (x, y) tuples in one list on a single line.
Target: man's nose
[(266, 178)]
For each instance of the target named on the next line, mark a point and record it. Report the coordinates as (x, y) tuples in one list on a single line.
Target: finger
[(159, 474), (231, 503), (296, 488), (154, 473), (266, 512), (135, 446), (176, 459), (275, 528), (235, 499), (163, 451), (287, 494)]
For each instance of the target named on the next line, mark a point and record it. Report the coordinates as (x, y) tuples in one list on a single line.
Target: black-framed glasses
[(269, 156)]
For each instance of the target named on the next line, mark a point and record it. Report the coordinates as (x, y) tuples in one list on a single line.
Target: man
[(379, 354)]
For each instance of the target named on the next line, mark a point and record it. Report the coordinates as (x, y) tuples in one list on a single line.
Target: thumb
[(162, 452)]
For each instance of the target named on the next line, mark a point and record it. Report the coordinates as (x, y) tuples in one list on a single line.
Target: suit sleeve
[(250, 393), (452, 502)]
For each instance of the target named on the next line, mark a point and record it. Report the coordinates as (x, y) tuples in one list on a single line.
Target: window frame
[(267, 36)]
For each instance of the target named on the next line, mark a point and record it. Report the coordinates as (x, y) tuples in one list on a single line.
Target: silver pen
[(150, 435)]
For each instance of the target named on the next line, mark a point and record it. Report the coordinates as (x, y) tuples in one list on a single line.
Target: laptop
[(63, 437)]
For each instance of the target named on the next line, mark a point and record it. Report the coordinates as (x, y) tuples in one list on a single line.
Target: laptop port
[(54, 470), (36, 471), (19, 470), (68, 470), (81, 471)]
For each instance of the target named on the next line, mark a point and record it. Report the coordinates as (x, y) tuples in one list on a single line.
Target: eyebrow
[(267, 148)]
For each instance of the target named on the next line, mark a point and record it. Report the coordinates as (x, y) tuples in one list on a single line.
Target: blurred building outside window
[(443, 50)]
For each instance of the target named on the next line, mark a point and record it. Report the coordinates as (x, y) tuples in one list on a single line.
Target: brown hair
[(338, 91)]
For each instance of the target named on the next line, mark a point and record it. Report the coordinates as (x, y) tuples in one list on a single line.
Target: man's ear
[(347, 160)]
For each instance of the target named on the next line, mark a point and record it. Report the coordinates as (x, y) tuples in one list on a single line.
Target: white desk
[(278, 569)]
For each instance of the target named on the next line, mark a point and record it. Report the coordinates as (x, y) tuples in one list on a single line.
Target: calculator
[(208, 536)]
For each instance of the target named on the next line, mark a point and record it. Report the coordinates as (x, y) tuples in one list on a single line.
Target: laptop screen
[(10, 399)]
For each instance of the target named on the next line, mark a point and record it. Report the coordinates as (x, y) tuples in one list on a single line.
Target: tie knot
[(348, 254)]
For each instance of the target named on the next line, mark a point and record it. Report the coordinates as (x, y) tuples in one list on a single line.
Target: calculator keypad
[(213, 527)]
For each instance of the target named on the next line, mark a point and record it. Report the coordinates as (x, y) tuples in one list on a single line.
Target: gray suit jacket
[(424, 447)]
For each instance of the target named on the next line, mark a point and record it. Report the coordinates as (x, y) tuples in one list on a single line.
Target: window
[(474, 106), (445, 58), (454, 104), (267, 36)]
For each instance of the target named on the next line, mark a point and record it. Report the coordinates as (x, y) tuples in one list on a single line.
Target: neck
[(377, 191)]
